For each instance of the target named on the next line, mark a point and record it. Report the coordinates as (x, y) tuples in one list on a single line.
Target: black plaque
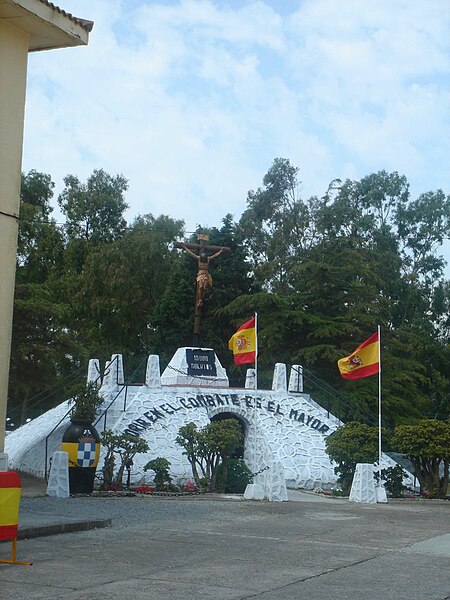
[(201, 362)]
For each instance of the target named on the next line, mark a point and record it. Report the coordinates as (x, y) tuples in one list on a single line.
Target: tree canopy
[(321, 272)]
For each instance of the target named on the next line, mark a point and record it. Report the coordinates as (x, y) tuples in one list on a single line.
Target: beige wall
[(13, 70)]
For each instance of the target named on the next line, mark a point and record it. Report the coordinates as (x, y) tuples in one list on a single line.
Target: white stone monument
[(284, 430)]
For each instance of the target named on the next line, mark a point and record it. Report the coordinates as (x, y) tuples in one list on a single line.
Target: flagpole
[(256, 387), (256, 351), (379, 405)]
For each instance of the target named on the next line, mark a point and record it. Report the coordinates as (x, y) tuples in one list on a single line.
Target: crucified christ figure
[(203, 279)]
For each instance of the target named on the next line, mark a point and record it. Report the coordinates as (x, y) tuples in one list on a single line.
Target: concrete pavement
[(219, 548)]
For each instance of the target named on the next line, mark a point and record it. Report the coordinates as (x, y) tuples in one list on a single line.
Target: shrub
[(126, 447), (427, 445), (393, 477), (162, 476), (351, 444), (238, 476)]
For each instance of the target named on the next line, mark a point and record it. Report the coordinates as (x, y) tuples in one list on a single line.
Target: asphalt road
[(221, 549)]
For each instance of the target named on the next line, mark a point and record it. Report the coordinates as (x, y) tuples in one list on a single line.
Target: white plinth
[(363, 486), (254, 491), (176, 372), (153, 373), (58, 482), (380, 494)]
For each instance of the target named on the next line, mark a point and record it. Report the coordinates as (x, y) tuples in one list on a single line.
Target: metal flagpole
[(256, 387), (256, 351), (379, 405)]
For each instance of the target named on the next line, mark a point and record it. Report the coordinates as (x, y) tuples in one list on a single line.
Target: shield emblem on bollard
[(86, 453)]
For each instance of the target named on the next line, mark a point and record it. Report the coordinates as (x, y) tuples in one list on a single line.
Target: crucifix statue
[(204, 279)]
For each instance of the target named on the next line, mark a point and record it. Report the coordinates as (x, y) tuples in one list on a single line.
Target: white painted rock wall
[(285, 432)]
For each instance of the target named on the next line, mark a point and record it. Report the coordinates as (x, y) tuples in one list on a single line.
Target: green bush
[(237, 478), (393, 477), (162, 478)]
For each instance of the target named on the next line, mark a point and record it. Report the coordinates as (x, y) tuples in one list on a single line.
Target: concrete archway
[(222, 416)]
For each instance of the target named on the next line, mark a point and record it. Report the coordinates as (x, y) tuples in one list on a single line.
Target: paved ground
[(216, 548)]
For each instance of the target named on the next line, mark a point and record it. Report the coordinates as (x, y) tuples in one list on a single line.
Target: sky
[(191, 100)]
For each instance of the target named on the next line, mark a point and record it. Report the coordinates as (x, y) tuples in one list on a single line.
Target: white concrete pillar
[(153, 372), (250, 379), (279, 383), (13, 73), (58, 482), (296, 379), (94, 374), (114, 371), (363, 485)]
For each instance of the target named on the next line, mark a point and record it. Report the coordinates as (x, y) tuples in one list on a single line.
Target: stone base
[(380, 494), (363, 486), (254, 491), (58, 482), (176, 372)]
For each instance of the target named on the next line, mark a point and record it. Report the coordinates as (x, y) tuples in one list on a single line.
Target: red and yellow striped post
[(9, 512)]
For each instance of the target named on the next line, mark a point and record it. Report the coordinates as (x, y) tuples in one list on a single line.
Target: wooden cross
[(204, 279)]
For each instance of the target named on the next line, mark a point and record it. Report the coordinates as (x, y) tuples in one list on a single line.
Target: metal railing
[(40, 401), (335, 402), (63, 419), (125, 386)]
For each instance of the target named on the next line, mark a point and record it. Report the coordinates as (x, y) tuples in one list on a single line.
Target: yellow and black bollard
[(82, 443)]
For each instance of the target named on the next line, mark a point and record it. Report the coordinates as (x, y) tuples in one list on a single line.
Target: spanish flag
[(9, 504), (364, 361), (243, 343)]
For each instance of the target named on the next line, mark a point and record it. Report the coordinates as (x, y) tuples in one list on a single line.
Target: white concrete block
[(363, 486), (153, 372), (250, 379), (114, 371), (254, 491), (296, 379), (279, 383), (94, 374), (380, 494), (58, 481)]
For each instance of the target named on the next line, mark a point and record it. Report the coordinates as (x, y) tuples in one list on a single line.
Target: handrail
[(59, 423), (125, 386), (328, 394), (43, 396)]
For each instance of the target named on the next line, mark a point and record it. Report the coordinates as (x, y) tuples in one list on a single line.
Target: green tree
[(42, 350), (125, 446), (427, 445), (94, 210), (351, 444), (364, 254), (276, 227), (189, 438), (208, 448), (40, 242), (121, 285), (160, 466)]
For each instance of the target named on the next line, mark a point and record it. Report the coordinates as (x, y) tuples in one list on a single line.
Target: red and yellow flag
[(9, 504), (243, 343), (364, 361)]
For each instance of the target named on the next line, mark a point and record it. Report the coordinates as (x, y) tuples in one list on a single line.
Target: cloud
[(193, 99)]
